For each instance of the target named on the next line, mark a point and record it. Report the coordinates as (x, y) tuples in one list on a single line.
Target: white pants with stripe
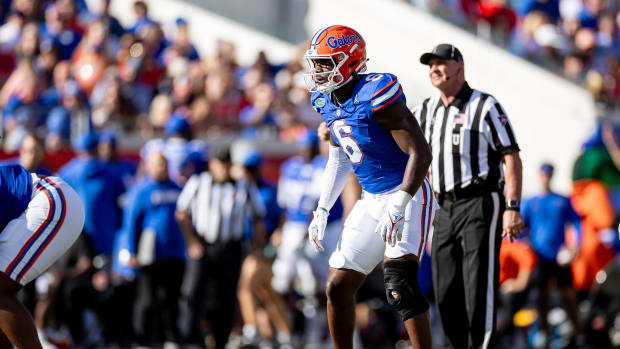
[(298, 260), (361, 249), (51, 223)]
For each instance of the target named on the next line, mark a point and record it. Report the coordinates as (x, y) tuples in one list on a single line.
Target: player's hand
[(390, 228), (512, 224), (323, 132), (195, 250), (508, 286), (316, 230), (133, 261), (566, 255)]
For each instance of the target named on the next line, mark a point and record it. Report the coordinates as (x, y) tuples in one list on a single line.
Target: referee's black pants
[(465, 260), (209, 293)]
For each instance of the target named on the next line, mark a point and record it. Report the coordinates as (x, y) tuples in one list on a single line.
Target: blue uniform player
[(298, 193), (155, 244), (40, 218), (99, 188), (374, 133)]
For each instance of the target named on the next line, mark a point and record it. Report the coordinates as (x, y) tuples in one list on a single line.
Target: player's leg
[(401, 265), (342, 284), (15, 320), (359, 250), (404, 294), (227, 277), (4, 342), (170, 280), (571, 303), (294, 235), (29, 245), (193, 289), (319, 261), (545, 281), (247, 301), (277, 311)]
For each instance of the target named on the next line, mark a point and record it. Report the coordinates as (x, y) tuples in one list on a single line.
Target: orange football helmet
[(337, 47)]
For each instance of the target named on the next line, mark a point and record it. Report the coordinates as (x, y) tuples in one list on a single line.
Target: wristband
[(402, 198)]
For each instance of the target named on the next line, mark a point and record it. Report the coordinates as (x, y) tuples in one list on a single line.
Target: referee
[(471, 138), (212, 211)]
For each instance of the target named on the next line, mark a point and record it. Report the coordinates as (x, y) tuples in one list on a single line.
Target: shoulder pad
[(381, 89)]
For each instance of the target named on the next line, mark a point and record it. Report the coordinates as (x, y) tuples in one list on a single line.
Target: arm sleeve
[(498, 129), (334, 178)]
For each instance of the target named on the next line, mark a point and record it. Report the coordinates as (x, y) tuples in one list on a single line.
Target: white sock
[(249, 331)]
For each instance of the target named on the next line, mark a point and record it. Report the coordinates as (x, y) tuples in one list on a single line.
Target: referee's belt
[(470, 191)]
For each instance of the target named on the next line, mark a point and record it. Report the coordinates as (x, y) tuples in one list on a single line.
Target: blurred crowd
[(558, 282), (199, 239), (68, 69), (577, 39), (158, 139)]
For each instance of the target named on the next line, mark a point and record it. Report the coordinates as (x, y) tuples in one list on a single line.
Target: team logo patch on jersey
[(320, 102), (503, 119)]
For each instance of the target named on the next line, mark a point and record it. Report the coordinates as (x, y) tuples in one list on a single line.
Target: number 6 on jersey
[(343, 133)]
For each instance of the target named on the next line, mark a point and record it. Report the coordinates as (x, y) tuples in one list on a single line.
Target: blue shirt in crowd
[(152, 208), (100, 189), (546, 216), (183, 156), (124, 169), (299, 189), (15, 191), (120, 249), (269, 194)]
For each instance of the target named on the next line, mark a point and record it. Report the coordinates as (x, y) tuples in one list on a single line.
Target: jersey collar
[(462, 97)]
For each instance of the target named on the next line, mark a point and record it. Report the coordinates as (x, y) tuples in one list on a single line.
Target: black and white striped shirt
[(219, 211), (467, 138)]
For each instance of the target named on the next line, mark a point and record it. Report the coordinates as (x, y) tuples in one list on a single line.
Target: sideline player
[(371, 125), (40, 218)]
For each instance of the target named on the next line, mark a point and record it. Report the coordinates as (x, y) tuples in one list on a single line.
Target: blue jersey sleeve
[(15, 192), (385, 89)]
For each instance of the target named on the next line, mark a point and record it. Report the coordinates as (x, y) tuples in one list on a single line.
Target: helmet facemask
[(326, 81)]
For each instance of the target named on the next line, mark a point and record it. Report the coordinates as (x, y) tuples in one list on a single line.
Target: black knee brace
[(400, 278)]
